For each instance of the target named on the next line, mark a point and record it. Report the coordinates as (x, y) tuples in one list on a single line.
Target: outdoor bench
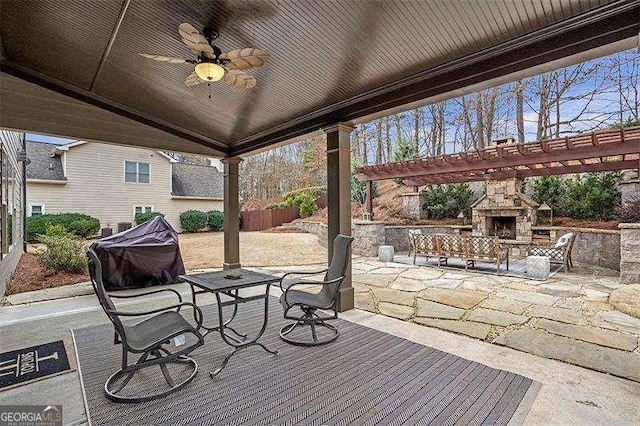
[(469, 248)]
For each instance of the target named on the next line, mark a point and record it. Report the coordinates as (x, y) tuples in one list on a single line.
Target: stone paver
[(465, 299), (570, 303), (507, 305), (620, 321), (377, 280), (529, 297), (405, 284), (396, 311), (627, 299), (422, 273), (590, 334), (468, 328), (443, 283), (489, 316), (364, 301), (595, 295), (569, 317), (427, 308), (596, 357), (393, 296), (557, 314)]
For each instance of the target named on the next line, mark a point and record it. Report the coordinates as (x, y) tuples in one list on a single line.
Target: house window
[(36, 209), (142, 209), (135, 172)]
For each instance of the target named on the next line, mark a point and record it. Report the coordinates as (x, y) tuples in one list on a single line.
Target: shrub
[(84, 227), (10, 228), (193, 220), (595, 196), (307, 205), (64, 251), (299, 196), (55, 231), (143, 217), (447, 201), (215, 218), (630, 211), (37, 225), (551, 190), (313, 191)]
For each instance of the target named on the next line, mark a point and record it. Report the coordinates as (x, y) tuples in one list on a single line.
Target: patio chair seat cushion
[(156, 329), (564, 240)]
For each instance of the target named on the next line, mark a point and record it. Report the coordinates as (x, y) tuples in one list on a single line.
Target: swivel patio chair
[(308, 303), (148, 338)]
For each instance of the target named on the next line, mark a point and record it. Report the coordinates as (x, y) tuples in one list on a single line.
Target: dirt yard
[(206, 250)]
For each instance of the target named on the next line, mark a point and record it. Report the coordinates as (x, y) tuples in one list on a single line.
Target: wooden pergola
[(598, 151)]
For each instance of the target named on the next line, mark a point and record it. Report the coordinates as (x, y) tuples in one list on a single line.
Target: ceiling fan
[(212, 64)]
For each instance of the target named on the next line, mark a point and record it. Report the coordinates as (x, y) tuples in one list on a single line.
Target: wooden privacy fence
[(259, 220)]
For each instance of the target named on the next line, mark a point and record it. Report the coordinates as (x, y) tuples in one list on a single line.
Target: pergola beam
[(524, 173), (546, 154)]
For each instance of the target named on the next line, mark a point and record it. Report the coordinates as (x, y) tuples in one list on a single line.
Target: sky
[(48, 139)]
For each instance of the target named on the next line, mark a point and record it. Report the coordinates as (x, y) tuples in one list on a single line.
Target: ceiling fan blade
[(239, 79), (193, 39), (193, 80), (160, 58), (243, 59)]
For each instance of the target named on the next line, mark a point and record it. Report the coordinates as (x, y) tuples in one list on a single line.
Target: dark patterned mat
[(365, 377), (26, 365)]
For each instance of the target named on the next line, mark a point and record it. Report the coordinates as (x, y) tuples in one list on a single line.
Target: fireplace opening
[(504, 227)]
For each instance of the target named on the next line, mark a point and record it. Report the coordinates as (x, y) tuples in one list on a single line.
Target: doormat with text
[(21, 366)]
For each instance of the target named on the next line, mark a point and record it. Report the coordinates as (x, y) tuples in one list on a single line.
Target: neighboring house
[(113, 182), (12, 206)]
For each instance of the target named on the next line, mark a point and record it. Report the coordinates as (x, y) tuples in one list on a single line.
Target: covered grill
[(140, 257)]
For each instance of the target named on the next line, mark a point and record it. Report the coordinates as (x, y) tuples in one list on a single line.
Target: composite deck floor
[(365, 377)]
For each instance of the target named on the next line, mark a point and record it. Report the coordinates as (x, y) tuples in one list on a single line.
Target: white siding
[(95, 186)]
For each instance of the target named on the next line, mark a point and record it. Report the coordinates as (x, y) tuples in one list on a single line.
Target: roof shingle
[(191, 180)]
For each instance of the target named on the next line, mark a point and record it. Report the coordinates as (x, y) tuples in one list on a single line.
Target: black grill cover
[(140, 257)]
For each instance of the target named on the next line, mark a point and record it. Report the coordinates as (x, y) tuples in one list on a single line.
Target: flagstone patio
[(568, 317)]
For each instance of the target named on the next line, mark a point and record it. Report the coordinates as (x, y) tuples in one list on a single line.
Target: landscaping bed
[(30, 275)]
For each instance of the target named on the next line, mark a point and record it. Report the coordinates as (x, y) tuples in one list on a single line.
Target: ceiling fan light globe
[(208, 71)]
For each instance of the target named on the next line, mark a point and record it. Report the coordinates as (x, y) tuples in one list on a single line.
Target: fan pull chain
[(209, 86)]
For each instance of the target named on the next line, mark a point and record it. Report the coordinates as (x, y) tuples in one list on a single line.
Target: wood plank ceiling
[(330, 60)]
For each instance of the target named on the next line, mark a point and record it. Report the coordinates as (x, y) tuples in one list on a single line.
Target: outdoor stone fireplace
[(505, 212)]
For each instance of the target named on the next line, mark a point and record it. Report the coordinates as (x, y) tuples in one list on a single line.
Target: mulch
[(31, 275)]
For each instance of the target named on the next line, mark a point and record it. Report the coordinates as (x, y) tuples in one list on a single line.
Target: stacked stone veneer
[(629, 253), (503, 199), (412, 205)]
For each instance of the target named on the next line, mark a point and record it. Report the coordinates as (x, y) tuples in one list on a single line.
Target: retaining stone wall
[(599, 247), (630, 247)]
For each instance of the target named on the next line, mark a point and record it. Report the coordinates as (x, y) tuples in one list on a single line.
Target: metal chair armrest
[(129, 296), (300, 273), (333, 281)]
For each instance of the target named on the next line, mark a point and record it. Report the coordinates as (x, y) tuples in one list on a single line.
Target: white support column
[(231, 223), (339, 198)]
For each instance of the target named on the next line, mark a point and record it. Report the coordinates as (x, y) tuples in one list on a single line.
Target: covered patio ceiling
[(598, 151), (72, 68)]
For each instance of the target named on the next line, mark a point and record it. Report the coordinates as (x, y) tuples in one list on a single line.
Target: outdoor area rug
[(26, 365), (365, 377)]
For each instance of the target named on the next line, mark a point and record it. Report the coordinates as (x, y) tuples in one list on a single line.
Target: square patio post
[(231, 224), (339, 198)]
